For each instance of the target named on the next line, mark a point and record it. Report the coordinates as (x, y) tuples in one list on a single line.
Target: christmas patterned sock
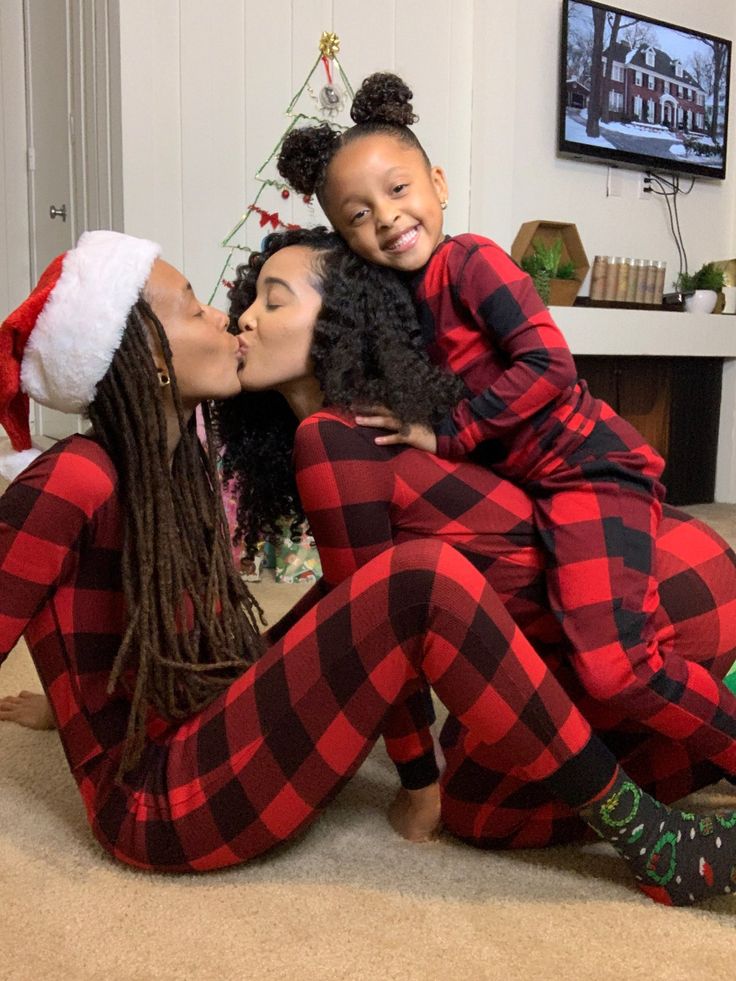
[(677, 858)]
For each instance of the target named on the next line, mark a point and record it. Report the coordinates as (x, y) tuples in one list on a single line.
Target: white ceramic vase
[(701, 301)]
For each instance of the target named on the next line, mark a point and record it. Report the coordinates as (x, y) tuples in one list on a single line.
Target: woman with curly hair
[(593, 480), (190, 750), (322, 331)]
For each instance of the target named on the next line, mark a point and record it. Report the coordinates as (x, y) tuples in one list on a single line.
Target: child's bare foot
[(415, 814), (28, 709)]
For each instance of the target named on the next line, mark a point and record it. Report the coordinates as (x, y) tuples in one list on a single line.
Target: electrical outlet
[(645, 186)]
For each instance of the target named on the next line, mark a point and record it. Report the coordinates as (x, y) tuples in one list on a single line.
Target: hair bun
[(383, 98), (304, 155)]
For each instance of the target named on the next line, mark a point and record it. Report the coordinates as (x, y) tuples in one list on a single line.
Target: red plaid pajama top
[(361, 498), (255, 766), (258, 764), (482, 318), (594, 483)]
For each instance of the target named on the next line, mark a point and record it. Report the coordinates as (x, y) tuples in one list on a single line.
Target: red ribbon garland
[(270, 218)]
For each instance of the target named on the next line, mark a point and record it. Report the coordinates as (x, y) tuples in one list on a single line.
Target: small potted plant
[(701, 288), (554, 280)]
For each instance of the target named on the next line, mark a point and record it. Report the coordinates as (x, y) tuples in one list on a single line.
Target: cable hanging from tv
[(670, 188)]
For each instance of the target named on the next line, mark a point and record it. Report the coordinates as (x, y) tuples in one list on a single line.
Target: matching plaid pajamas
[(256, 766), (362, 499), (259, 763), (593, 480)]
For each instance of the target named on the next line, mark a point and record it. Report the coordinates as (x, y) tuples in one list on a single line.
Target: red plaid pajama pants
[(257, 766), (598, 517), (694, 623)]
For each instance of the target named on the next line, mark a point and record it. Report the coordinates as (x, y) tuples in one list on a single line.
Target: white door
[(72, 79), (49, 171)]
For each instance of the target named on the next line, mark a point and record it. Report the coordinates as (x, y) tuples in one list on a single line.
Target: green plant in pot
[(544, 264), (701, 288)]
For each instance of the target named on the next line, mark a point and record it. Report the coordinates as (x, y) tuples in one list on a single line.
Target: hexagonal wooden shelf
[(562, 291)]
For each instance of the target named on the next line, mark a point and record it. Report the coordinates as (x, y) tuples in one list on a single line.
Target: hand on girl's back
[(411, 434)]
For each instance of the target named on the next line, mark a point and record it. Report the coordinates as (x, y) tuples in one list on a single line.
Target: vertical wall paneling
[(114, 118), (434, 54), (367, 42), (83, 124), (309, 19), (460, 113), (212, 111), (95, 114), (14, 233), (264, 81), (97, 108), (493, 122), (152, 123)]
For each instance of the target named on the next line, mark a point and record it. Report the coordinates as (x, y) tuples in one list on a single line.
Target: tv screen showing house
[(642, 93)]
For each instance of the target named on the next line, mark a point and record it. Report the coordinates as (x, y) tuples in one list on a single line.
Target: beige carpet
[(349, 900)]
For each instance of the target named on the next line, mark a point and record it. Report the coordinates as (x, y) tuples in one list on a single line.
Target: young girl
[(114, 564), (593, 479), (321, 328)]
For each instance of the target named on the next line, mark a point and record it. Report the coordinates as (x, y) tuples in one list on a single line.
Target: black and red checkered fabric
[(593, 479), (256, 766), (361, 498), (482, 318)]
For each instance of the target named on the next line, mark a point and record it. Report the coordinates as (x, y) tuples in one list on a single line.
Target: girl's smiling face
[(278, 327), (385, 201)]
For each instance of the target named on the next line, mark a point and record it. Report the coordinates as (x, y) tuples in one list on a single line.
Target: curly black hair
[(367, 349), (381, 105)]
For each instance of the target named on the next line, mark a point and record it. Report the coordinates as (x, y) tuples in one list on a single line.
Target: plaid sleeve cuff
[(420, 772)]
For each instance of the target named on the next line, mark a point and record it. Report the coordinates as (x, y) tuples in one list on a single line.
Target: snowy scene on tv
[(644, 88)]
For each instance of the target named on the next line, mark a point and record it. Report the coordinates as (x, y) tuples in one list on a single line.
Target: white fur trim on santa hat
[(80, 327), (12, 463)]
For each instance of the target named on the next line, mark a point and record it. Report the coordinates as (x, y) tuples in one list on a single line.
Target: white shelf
[(609, 331), (653, 333)]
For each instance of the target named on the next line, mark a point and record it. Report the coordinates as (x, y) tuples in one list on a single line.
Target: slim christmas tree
[(325, 96)]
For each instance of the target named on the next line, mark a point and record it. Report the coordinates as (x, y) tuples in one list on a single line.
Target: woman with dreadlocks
[(190, 751), (324, 331)]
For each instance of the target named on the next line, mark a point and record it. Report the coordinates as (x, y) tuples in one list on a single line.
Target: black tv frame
[(618, 157)]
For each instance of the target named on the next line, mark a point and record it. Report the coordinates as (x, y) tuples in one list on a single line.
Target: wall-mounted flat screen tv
[(642, 93)]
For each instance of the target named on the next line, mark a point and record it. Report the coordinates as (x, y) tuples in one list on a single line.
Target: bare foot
[(415, 814), (28, 709)]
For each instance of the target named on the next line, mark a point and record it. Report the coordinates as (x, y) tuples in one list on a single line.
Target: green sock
[(677, 858)]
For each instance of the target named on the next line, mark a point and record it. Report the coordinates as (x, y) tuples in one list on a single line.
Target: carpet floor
[(348, 900)]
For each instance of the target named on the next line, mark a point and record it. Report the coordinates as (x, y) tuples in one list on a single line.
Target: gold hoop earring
[(443, 205), (163, 377)]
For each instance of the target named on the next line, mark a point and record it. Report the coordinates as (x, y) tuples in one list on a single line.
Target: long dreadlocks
[(192, 624)]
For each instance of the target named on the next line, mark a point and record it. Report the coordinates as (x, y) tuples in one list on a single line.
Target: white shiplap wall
[(14, 249), (224, 72), (205, 84)]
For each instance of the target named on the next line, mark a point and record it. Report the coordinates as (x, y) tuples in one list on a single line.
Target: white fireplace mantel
[(654, 333)]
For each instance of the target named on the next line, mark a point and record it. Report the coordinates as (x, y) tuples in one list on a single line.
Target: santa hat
[(57, 346)]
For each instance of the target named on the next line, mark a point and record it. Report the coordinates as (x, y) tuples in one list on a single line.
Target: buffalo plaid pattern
[(362, 498), (482, 318), (696, 620), (255, 767), (593, 480)]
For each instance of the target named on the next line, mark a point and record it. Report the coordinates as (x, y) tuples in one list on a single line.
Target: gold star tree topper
[(329, 44)]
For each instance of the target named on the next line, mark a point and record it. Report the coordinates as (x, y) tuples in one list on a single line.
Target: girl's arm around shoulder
[(501, 303)]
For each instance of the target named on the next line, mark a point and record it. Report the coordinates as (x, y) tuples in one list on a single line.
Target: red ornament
[(285, 194), (307, 199)]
